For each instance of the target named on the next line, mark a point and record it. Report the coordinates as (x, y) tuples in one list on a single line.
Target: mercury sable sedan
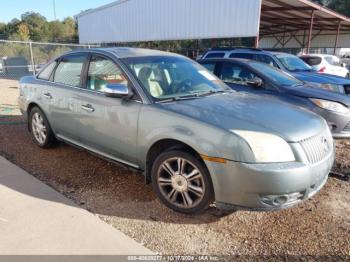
[(197, 141)]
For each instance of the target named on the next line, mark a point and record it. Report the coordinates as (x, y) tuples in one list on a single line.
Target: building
[(273, 23)]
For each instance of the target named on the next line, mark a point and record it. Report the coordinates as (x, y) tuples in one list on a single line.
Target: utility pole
[(54, 9)]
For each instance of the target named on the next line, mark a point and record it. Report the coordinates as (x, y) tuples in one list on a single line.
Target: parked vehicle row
[(288, 63), (194, 138), (264, 80)]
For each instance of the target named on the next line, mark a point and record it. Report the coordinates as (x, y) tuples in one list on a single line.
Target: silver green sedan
[(194, 139)]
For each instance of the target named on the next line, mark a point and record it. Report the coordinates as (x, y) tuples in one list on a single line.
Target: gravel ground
[(319, 227), (8, 97)]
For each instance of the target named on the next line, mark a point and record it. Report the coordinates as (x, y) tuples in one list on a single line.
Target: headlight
[(331, 87), (329, 105), (267, 148)]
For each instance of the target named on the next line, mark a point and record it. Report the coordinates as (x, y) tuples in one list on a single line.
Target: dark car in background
[(14, 67), (288, 63), (259, 78)]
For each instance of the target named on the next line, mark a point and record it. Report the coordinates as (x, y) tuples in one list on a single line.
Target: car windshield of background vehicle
[(275, 75), (312, 60), (293, 63), (166, 77)]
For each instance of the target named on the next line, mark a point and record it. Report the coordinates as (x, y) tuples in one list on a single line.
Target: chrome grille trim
[(347, 128), (318, 147)]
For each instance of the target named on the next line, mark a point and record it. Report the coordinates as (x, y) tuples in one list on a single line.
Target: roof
[(245, 50), (279, 16), (126, 52)]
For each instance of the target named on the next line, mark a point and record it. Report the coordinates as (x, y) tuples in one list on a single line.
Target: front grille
[(347, 128), (318, 147), (347, 89)]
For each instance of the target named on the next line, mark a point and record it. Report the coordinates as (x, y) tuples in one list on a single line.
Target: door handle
[(47, 96), (88, 108)]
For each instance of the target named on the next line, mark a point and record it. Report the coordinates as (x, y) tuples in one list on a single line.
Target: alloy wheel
[(181, 182), (39, 128)]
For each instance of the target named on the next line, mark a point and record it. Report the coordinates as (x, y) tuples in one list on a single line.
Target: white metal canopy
[(277, 23), (151, 20)]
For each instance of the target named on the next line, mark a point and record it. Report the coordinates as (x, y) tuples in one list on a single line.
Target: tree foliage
[(341, 6), (35, 27)]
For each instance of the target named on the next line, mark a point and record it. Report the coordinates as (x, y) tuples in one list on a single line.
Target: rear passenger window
[(215, 55), (69, 70), (47, 71), (242, 55), (266, 60)]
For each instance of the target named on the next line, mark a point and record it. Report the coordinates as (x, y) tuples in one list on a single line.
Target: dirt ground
[(318, 228)]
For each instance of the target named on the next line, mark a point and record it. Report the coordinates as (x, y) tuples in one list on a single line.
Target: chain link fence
[(18, 58)]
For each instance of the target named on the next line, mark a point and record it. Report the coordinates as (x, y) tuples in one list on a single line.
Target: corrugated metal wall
[(320, 41), (151, 20)]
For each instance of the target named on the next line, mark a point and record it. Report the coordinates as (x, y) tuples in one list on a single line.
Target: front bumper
[(250, 186)]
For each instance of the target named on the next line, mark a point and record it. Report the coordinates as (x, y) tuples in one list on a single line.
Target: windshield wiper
[(193, 96), (178, 98), (211, 92)]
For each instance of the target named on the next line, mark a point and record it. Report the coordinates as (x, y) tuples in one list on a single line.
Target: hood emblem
[(325, 144)]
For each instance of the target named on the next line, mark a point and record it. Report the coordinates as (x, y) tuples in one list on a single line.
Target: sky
[(14, 8)]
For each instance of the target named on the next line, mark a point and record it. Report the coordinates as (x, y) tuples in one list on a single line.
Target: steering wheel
[(183, 86)]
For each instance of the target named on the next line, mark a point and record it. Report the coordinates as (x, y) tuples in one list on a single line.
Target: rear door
[(61, 96), (106, 125)]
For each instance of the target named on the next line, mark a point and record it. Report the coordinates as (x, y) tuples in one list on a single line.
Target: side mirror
[(116, 90), (255, 82)]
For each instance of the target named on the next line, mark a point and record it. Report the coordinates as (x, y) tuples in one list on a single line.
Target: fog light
[(282, 200)]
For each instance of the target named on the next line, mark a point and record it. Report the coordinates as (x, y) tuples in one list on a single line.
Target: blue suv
[(287, 63)]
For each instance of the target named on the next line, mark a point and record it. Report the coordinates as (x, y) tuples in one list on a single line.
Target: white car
[(327, 64)]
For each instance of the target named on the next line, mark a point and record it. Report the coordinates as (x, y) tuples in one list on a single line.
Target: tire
[(40, 129), (189, 191)]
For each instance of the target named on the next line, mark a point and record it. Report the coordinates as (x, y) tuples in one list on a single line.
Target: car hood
[(313, 92), (242, 111), (314, 77)]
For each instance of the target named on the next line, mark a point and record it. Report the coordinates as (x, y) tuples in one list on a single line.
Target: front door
[(108, 125)]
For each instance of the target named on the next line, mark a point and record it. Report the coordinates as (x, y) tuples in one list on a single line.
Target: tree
[(71, 28), (341, 6), (57, 31), (38, 26), (23, 32)]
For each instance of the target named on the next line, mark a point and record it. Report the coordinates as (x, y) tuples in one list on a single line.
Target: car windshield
[(276, 75), (293, 63), (172, 77)]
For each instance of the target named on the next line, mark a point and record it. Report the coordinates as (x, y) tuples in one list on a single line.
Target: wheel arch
[(168, 144), (30, 106)]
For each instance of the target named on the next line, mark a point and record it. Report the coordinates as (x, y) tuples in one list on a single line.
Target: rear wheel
[(182, 182), (40, 129)]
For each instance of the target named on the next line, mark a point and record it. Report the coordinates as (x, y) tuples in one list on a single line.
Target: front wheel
[(182, 182)]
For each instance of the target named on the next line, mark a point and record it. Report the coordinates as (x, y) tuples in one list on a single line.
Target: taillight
[(322, 70)]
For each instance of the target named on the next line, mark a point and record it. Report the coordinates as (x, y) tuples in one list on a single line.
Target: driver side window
[(234, 73), (102, 72)]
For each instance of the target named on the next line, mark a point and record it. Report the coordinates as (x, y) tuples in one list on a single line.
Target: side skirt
[(119, 163)]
